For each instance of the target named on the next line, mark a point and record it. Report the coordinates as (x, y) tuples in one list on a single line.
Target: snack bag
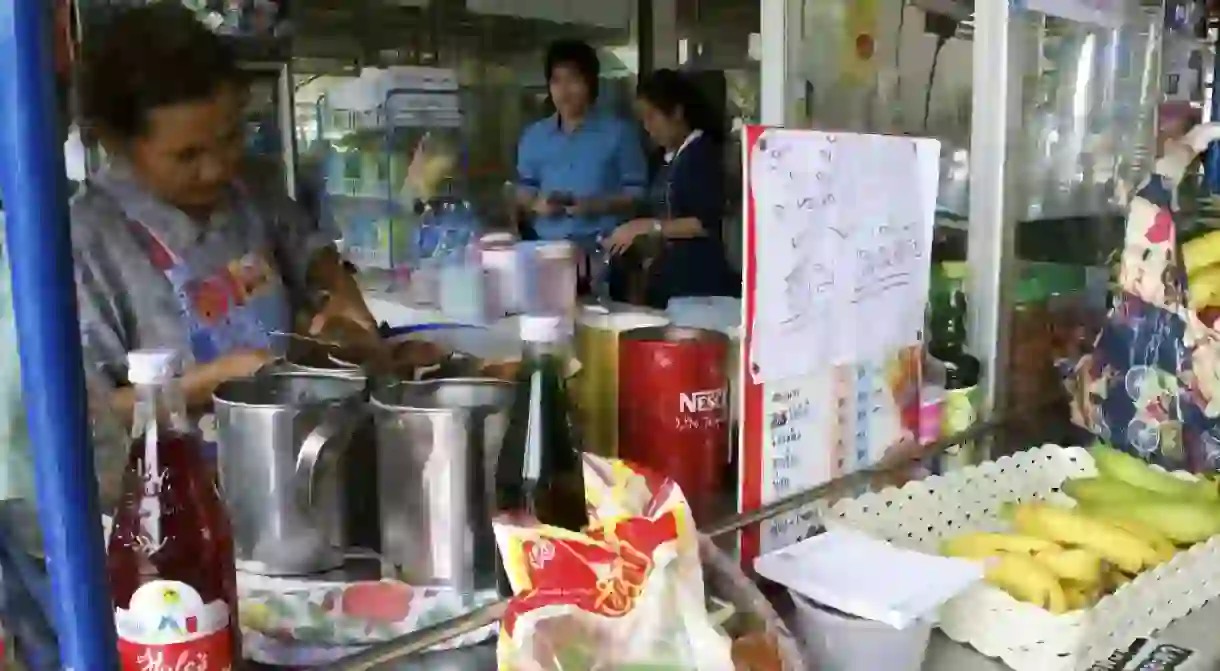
[(625, 595), (1152, 384)]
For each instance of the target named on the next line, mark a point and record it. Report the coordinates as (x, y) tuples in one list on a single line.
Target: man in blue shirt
[(580, 172)]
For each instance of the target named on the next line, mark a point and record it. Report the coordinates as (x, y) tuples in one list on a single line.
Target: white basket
[(1025, 637)]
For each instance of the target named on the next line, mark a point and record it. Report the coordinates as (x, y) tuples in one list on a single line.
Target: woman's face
[(667, 130), (190, 152)]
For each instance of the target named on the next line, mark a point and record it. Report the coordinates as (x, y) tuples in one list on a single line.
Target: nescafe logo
[(711, 400)]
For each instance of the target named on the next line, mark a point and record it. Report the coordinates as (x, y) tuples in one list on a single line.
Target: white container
[(837, 642), (1028, 638)]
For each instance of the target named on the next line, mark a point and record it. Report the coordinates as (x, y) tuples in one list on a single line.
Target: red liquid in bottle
[(170, 557)]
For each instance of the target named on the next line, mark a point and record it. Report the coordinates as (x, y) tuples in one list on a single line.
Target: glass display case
[(270, 123)]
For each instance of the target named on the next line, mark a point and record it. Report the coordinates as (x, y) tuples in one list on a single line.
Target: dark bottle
[(539, 471), (947, 344), (170, 556)]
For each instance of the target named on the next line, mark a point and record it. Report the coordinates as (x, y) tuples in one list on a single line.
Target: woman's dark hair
[(671, 91), (577, 55), (147, 57)]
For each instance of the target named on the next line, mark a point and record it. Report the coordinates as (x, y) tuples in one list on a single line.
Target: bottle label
[(167, 627)]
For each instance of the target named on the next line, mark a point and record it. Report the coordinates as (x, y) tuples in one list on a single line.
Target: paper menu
[(869, 578), (843, 228)]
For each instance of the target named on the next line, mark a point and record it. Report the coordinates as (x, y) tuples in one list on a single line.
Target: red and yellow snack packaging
[(625, 595)]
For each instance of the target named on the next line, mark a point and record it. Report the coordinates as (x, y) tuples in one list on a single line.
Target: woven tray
[(1025, 637)]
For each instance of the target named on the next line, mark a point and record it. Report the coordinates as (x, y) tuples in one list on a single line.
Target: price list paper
[(839, 230)]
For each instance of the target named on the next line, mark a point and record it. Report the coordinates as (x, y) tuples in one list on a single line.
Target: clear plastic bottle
[(170, 555)]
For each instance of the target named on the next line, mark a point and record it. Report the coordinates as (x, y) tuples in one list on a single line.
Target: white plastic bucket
[(837, 642)]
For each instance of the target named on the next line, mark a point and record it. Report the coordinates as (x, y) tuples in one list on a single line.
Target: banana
[(1075, 564), (1164, 547), (983, 545), (1114, 581), (1204, 286), (1070, 527), (1183, 522), (1027, 580), (1201, 252), (1080, 597), (1134, 471), (1106, 490)]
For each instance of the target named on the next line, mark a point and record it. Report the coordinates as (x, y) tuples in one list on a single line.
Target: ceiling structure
[(336, 35)]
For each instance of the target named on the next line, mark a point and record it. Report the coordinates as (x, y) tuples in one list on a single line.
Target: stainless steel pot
[(437, 443), (280, 439)]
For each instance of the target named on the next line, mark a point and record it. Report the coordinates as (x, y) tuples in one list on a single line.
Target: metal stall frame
[(39, 251)]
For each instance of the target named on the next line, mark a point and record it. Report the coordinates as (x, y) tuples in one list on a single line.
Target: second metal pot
[(437, 443)]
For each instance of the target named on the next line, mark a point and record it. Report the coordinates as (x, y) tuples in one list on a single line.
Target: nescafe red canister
[(674, 408)]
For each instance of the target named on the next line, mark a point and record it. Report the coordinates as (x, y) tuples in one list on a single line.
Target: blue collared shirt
[(601, 158)]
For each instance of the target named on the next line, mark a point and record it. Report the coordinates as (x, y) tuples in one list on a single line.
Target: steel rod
[(423, 639)]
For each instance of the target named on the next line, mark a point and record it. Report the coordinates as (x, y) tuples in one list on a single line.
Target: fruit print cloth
[(1151, 386), (288, 622)]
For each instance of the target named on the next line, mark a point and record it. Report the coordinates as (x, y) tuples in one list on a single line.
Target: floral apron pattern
[(237, 308), (1151, 386)]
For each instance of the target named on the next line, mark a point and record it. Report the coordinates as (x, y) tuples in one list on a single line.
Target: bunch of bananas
[(1201, 256), (1126, 520)]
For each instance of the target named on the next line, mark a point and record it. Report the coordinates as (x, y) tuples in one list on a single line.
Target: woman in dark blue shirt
[(686, 199)]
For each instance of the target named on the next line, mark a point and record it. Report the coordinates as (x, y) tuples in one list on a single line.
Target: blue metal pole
[(34, 188), (1211, 160)]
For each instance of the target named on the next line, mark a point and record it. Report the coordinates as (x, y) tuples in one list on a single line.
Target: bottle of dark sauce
[(539, 471)]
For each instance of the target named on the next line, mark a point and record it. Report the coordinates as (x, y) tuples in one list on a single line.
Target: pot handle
[(327, 439)]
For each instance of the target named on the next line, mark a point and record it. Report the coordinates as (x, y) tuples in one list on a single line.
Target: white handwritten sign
[(843, 227), (795, 414)]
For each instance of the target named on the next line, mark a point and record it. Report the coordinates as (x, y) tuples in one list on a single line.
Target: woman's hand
[(544, 206), (339, 309), (624, 236), (243, 363)]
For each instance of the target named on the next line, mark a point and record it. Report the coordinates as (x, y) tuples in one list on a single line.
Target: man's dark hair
[(577, 55), (146, 57)]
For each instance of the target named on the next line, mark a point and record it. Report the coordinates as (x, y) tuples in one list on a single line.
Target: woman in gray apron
[(686, 197), (174, 246)]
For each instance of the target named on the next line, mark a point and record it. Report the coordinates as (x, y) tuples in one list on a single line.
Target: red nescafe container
[(674, 408)]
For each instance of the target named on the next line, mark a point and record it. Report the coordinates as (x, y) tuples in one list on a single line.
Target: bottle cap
[(150, 366), (541, 328)]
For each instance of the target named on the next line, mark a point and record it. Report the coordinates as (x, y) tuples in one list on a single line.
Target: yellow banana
[(983, 545), (1160, 543), (1069, 527), (1027, 580), (1201, 252), (1114, 581), (1075, 564), (1079, 597)]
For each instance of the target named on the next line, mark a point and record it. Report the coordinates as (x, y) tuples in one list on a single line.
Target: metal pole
[(34, 185), (990, 244), (1211, 160)]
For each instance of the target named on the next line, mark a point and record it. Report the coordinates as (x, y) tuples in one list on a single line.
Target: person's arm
[(529, 196), (312, 265), (697, 205), (197, 383)]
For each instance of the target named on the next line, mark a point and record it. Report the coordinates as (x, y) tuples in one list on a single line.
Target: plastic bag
[(626, 595), (1152, 384)]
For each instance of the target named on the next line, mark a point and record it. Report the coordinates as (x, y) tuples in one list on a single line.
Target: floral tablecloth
[(291, 622)]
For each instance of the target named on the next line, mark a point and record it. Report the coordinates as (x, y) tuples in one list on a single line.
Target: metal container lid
[(288, 389), (443, 396), (676, 335)]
